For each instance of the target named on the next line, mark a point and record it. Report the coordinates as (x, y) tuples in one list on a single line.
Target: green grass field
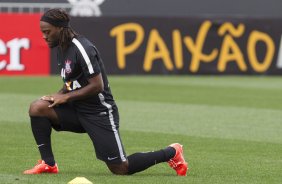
[(231, 129)]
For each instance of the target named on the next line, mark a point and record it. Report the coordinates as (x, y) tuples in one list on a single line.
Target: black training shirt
[(79, 62)]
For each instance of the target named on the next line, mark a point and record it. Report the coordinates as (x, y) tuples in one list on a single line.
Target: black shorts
[(102, 129)]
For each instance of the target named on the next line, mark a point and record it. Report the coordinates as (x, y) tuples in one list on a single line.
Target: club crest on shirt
[(68, 66)]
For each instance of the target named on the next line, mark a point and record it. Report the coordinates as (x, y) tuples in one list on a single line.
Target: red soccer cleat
[(177, 162), (42, 167)]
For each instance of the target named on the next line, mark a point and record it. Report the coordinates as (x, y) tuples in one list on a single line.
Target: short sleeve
[(88, 59)]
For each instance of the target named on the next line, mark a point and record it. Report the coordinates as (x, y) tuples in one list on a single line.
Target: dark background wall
[(167, 26), (253, 8)]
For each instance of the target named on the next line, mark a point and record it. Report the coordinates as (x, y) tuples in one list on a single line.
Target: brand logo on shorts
[(112, 158)]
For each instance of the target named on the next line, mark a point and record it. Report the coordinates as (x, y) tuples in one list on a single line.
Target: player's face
[(51, 34)]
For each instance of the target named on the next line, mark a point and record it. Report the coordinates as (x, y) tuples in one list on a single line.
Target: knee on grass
[(119, 169)]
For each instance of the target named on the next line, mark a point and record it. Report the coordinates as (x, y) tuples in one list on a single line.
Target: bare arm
[(94, 87)]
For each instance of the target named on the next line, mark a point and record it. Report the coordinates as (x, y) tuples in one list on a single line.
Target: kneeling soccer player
[(85, 105)]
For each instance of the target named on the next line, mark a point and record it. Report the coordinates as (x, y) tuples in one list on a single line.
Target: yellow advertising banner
[(186, 45)]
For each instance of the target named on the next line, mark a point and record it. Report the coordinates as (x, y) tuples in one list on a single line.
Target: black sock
[(140, 161), (41, 128)]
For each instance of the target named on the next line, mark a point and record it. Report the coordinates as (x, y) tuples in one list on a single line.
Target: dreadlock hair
[(61, 15)]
